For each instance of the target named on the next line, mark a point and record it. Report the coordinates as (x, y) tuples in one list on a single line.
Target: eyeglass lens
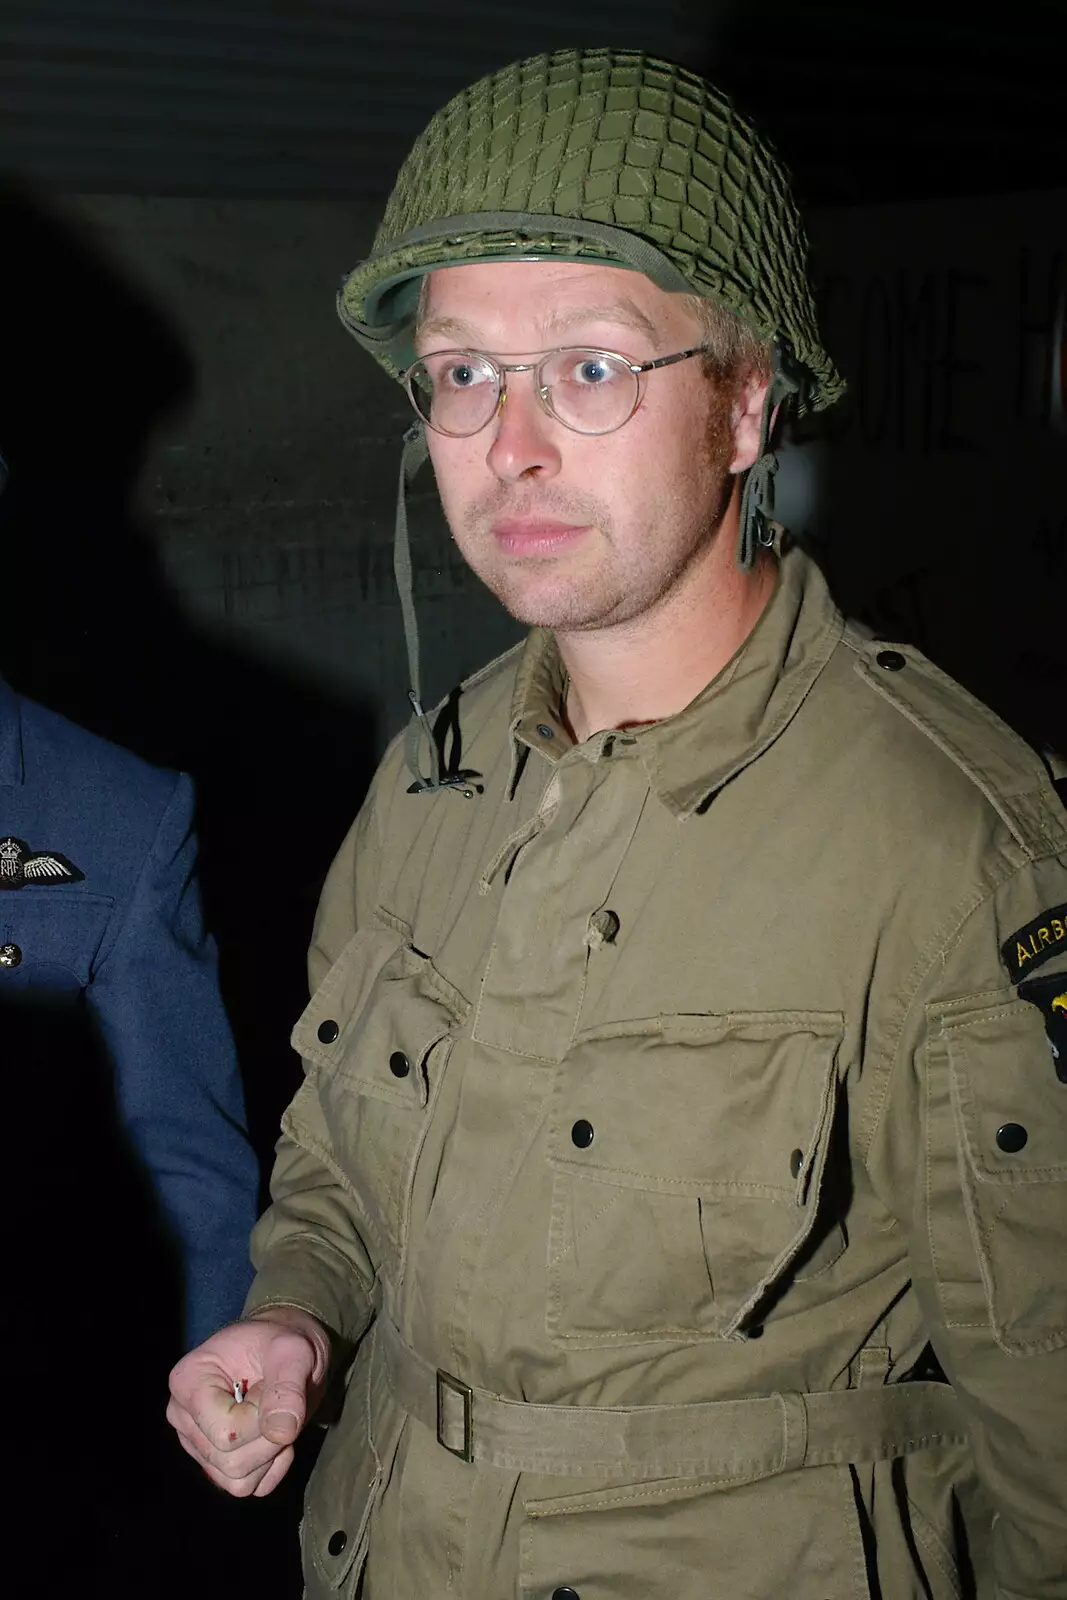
[(458, 391)]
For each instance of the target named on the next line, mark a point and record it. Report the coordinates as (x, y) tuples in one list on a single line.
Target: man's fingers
[(245, 1446), (274, 1473), (226, 1423), (238, 1472), (239, 1488)]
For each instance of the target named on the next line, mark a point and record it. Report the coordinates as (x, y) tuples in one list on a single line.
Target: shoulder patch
[(1036, 943), (1049, 995), (997, 761)]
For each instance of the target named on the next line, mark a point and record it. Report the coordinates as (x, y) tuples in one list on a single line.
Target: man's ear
[(746, 414)]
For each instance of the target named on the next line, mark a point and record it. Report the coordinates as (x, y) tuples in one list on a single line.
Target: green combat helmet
[(606, 156)]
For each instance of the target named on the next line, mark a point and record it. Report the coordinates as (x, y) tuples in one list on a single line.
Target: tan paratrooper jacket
[(667, 1097)]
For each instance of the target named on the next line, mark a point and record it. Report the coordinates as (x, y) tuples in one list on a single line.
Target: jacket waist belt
[(731, 1440)]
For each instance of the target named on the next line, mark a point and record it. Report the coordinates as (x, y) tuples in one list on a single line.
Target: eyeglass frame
[(542, 391)]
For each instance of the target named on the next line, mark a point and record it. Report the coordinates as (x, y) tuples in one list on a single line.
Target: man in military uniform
[(677, 1193)]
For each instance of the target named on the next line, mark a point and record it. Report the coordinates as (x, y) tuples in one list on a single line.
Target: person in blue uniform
[(100, 913), (130, 1183)]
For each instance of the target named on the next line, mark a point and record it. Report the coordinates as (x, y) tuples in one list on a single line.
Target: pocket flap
[(377, 1015), (58, 934), (343, 993), (738, 1104)]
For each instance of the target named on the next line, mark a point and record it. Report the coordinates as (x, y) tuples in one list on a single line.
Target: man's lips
[(536, 536)]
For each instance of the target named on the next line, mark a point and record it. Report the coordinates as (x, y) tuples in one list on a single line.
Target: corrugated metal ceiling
[(247, 97), (322, 97)]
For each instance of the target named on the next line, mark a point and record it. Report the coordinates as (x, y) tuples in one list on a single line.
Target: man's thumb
[(283, 1397)]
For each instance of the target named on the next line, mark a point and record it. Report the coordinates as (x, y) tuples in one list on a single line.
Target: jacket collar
[(11, 771), (690, 756)]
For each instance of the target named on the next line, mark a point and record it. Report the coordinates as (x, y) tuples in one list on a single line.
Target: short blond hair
[(733, 350)]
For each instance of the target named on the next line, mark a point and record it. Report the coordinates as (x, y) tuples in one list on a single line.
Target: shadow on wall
[(89, 628)]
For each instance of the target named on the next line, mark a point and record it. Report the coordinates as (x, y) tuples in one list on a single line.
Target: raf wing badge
[(19, 865)]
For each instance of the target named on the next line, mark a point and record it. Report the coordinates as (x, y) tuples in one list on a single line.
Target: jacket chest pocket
[(378, 1032), (49, 940), (689, 1156)]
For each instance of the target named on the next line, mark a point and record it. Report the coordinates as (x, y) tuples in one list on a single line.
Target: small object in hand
[(240, 1389)]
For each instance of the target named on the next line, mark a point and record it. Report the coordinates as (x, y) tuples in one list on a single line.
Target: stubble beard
[(550, 591), (566, 594)]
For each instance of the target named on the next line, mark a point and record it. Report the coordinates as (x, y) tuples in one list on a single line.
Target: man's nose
[(523, 441)]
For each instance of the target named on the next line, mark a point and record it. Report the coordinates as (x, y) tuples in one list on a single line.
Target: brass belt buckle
[(465, 1393)]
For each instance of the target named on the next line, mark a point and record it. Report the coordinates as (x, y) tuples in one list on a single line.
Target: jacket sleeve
[(981, 1078), (308, 1248), (156, 1001)]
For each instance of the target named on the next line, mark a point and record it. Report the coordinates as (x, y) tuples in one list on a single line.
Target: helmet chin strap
[(419, 735), (756, 531)]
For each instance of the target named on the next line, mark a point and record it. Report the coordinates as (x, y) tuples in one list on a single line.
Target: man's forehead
[(554, 296)]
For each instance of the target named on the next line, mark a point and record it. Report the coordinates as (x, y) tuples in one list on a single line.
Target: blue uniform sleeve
[(156, 1000)]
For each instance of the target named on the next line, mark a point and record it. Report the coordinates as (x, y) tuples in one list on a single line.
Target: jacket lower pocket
[(798, 1535), (344, 1487)]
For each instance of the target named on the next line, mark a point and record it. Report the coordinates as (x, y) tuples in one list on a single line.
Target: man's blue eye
[(594, 371), (461, 376)]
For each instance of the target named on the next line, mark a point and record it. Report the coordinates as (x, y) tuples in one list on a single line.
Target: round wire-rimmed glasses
[(459, 392)]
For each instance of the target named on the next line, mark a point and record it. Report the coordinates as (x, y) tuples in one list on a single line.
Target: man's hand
[(246, 1446)]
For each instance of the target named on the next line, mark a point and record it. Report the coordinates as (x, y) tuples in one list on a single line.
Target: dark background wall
[(938, 504), (196, 534)]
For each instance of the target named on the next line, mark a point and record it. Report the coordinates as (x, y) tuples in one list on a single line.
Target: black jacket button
[(399, 1065), (582, 1134), (566, 1594), (602, 928), (337, 1542), (10, 955), (1011, 1137), (796, 1162), (891, 660), (328, 1031)]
